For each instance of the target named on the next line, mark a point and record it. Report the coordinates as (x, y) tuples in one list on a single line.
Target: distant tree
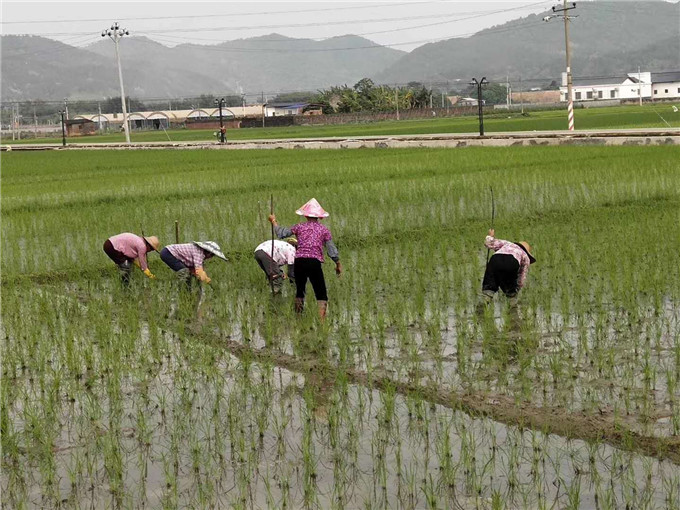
[(294, 97), (493, 93)]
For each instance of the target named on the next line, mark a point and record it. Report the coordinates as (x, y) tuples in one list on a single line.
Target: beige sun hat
[(153, 242), (527, 249)]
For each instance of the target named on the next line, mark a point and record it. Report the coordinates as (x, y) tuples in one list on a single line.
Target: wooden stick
[(493, 217), (271, 208), (177, 231)]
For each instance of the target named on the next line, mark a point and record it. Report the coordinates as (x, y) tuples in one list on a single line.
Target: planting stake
[(271, 208), (259, 214), (493, 217), (176, 231)]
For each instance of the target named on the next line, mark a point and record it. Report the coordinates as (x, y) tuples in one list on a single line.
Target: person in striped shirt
[(284, 255), (187, 259), (126, 249), (507, 268)]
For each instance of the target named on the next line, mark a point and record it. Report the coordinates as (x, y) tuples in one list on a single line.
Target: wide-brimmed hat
[(527, 249), (212, 247), (312, 209), (153, 242)]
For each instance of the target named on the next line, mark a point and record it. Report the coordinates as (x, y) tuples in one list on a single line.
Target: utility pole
[(507, 91), (35, 123), (521, 99), (566, 7), (223, 131), (66, 107), (479, 85), (18, 122), (264, 109), (396, 99), (639, 85), (63, 128), (99, 107), (116, 33)]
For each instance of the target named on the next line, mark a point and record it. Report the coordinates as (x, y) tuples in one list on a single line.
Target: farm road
[(446, 140)]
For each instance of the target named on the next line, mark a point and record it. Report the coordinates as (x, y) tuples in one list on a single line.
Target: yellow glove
[(148, 273), (136, 261), (201, 275)]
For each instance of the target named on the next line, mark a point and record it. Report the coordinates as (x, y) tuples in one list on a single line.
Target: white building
[(666, 85), (630, 86), (164, 118)]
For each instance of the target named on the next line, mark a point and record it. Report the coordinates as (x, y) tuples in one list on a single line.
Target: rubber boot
[(323, 306), (299, 305), (125, 270)]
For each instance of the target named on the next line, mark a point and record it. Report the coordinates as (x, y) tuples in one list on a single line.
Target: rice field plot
[(660, 116), (406, 397)]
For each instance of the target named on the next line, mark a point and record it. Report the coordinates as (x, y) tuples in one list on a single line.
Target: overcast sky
[(403, 25)]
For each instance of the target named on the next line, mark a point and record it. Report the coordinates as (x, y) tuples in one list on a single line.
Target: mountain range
[(607, 38)]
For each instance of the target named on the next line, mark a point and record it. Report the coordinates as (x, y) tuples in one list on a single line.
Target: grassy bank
[(625, 117)]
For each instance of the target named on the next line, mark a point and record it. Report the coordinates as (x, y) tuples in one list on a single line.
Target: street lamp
[(479, 85), (223, 131), (115, 33), (567, 6)]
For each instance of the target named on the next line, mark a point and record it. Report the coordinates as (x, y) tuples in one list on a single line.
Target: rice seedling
[(406, 396)]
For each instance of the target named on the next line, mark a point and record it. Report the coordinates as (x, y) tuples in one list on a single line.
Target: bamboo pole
[(271, 208)]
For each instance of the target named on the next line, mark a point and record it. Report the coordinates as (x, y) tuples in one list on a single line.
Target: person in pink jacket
[(126, 249), (507, 268)]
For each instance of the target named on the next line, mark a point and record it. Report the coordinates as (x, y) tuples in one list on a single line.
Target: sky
[(402, 25)]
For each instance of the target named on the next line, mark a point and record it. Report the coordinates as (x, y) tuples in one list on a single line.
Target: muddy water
[(268, 437), (322, 444)]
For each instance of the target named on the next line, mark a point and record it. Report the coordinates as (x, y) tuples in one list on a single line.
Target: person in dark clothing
[(507, 268)]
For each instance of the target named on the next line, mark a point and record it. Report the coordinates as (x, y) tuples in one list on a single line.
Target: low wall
[(366, 117)]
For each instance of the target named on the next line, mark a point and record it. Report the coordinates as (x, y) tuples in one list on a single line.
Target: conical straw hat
[(527, 249), (212, 247), (312, 209), (153, 242)]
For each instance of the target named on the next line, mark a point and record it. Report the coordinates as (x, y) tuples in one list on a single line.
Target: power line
[(475, 14), (413, 27), (231, 15), (364, 47)]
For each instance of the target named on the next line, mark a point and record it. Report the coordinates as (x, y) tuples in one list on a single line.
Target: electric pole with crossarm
[(564, 10), (116, 33)]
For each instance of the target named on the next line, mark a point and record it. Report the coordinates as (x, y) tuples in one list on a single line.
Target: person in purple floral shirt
[(507, 268), (312, 236)]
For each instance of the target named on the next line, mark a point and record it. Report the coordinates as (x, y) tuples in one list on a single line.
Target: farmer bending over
[(126, 249), (312, 236), (187, 259), (284, 254), (507, 268)]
